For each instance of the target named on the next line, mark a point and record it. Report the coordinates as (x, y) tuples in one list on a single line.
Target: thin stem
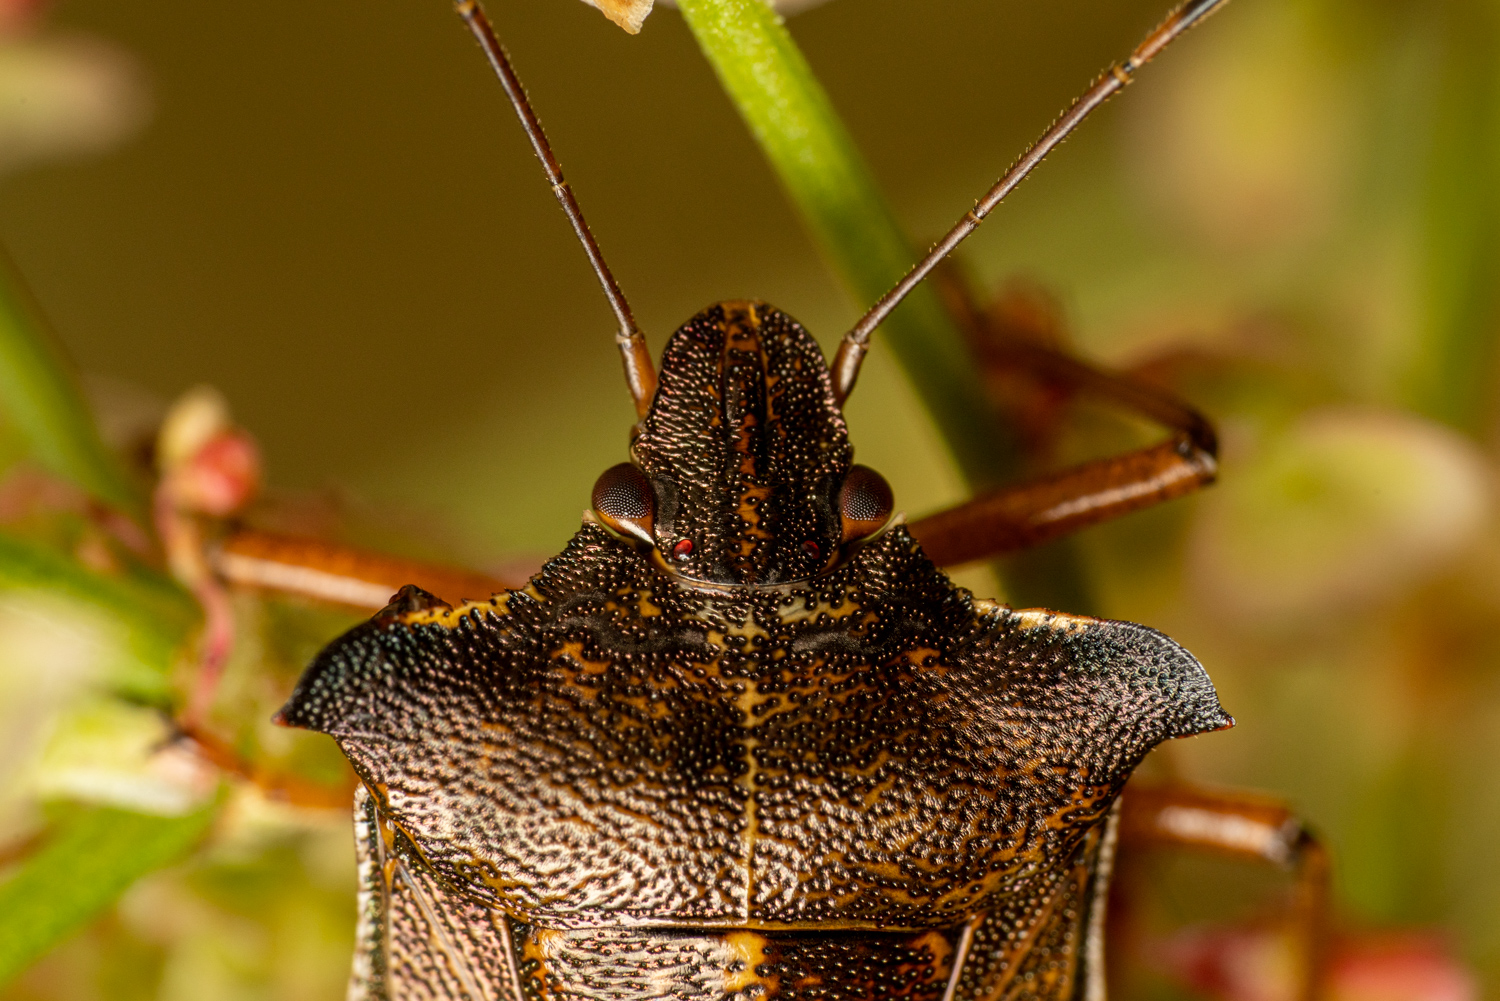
[(640, 373), (1114, 80), (793, 121)]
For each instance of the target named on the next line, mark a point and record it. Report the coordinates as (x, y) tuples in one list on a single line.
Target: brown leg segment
[(339, 574), (323, 571), (282, 786), (1029, 514), (1003, 521), (1236, 825)]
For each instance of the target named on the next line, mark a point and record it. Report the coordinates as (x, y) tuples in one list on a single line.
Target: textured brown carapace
[(789, 760)]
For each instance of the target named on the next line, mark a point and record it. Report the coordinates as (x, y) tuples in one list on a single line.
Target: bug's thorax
[(745, 449), (871, 750), (629, 779), (797, 727)]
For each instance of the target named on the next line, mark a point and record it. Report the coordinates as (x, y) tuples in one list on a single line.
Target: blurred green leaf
[(1452, 378), (80, 871), (155, 612), (40, 398), (146, 601)]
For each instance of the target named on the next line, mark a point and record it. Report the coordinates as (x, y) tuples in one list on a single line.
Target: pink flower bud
[(221, 478)]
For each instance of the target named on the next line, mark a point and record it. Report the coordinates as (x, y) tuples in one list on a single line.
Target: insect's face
[(742, 471)]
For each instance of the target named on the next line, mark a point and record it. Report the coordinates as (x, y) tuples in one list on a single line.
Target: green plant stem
[(1452, 376), (82, 869), (794, 122), (41, 400), (792, 119)]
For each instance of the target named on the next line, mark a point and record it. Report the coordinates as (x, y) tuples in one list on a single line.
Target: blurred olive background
[(1294, 219)]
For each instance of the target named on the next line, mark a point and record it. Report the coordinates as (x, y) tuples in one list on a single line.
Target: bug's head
[(742, 471)]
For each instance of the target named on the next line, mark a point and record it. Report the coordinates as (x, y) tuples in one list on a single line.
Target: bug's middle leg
[(1038, 511)]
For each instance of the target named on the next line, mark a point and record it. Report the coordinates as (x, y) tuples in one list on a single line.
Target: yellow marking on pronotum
[(646, 606), (748, 629), (541, 945), (941, 951), (574, 651), (498, 606), (1040, 618), (926, 658), (749, 948), (747, 701), (802, 613)]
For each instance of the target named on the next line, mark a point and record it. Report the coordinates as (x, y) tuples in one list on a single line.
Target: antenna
[(640, 373), (856, 342)]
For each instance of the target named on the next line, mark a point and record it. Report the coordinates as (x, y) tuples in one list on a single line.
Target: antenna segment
[(640, 373), (856, 342)]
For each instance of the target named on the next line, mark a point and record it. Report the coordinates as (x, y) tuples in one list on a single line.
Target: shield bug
[(743, 737)]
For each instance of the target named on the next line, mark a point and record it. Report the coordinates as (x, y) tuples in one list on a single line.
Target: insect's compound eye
[(623, 500), (682, 550), (865, 502)]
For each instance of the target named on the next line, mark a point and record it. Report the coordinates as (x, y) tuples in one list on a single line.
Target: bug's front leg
[(343, 575), (1040, 510)]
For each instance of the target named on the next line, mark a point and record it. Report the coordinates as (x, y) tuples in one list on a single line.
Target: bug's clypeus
[(743, 737)]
